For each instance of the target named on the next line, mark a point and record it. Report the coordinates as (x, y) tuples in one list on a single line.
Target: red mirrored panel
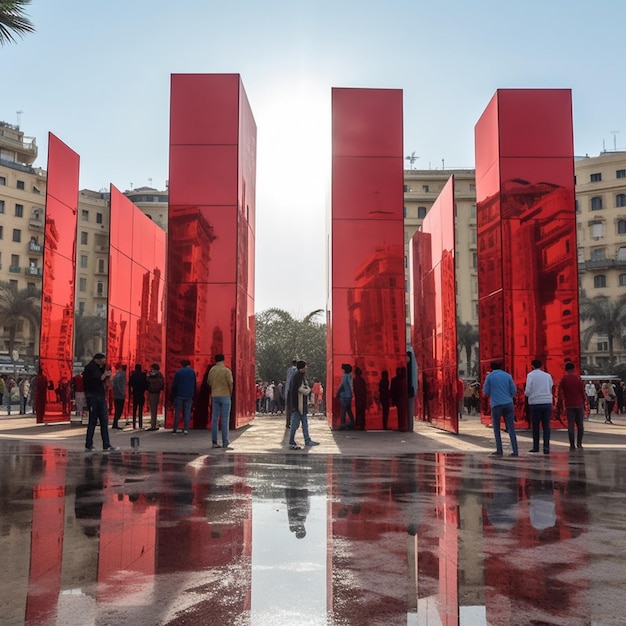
[(434, 314), (211, 236), (52, 390), (136, 288), (527, 259), (366, 326)]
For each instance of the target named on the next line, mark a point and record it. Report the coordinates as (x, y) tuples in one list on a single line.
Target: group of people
[(271, 397), (539, 389), (97, 380), (609, 396), (18, 392)]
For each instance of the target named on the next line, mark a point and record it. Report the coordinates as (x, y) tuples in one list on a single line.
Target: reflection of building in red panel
[(367, 303), (211, 231), (527, 265), (434, 313), (59, 263)]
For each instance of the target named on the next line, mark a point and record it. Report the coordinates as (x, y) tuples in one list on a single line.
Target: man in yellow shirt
[(220, 380)]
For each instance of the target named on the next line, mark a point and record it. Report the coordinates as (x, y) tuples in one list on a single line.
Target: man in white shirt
[(591, 391), (538, 390)]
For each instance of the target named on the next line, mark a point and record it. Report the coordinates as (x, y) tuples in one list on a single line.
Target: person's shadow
[(297, 497)]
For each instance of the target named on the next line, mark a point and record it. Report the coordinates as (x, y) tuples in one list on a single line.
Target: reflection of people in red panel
[(64, 393), (345, 393), (41, 391), (137, 386), (360, 397), (118, 383), (399, 395), (155, 384), (384, 396), (79, 394)]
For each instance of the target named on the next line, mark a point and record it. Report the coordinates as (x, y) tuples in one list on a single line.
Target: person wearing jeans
[(220, 380), (300, 392), (501, 389), (94, 376), (574, 396), (183, 391), (538, 390)]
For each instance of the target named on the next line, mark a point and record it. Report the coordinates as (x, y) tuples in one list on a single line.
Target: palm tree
[(16, 307), (466, 337), (607, 318), (13, 21), (89, 331)]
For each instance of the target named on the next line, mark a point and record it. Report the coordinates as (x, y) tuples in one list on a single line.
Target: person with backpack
[(155, 384)]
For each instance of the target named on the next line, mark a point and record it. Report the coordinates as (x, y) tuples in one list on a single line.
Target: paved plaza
[(366, 528)]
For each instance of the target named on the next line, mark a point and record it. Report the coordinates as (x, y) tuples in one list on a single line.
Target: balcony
[(33, 246), (33, 271), (599, 264), (15, 269), (36, 224)]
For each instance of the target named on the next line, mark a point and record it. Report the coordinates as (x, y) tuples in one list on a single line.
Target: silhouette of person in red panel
[(137, 384), (41, 391), (345, 393), (384, 396), (399, 396), (359, 387), (202, 403), (64, 393)]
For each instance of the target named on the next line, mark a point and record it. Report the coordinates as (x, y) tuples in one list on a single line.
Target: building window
[(620, 174), (1, 206), (84, 260), (597, 230), (15, 260), (98, 218), (473, 211), (84, 215), (596, 178), (425, 188), (621, 227), (421, 212), (597, 254), (620, 199), (603, 346), (596, 203), (81, 308), (84, 238), (622, 280), (474, 260), (472, 186), (100, 266), (3, 180), (19, 210), (13, 283), (576, 206), (599, 281), (621, 254), (17, 235), (1, 232), (20, 184), (82, 284), (99, 288)]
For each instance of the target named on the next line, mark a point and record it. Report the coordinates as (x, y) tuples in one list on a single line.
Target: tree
[(89, 330), (466, 337), (281, 338), (16, 307), (13, 21), (606, 318)]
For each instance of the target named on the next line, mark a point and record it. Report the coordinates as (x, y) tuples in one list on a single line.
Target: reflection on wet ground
[(438, 538)]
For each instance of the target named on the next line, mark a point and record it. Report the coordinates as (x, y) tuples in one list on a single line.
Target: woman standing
[(345, 394)]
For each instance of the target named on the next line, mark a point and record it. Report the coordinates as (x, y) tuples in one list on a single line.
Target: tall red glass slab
[(136, 295), (434, 314), (210, 285), (56, 337), (366, 301), (526, 220)]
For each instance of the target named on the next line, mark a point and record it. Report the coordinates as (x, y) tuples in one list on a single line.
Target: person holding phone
[(95, 376)]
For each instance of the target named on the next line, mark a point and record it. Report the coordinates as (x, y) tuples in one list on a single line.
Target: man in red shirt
[(572, 393)]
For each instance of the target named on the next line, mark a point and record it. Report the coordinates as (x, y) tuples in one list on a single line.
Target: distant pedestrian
[(573, 394), (220, 381), (289, 402), (345, 394), (538, 390), (500, 387), (591, 391), (155, 384), (183, 391), (80, 401), (118, 382), (24, 386), (608, 393), (94, 377)]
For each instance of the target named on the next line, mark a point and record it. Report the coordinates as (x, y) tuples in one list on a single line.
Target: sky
[(97, 75)]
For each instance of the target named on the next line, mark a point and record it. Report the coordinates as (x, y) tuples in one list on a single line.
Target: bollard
[(134, 443)]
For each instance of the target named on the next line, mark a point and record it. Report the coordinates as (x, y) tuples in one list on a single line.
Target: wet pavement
[(366, 528)]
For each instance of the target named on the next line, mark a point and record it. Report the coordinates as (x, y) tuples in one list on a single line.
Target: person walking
[(94, 377), (118, 382), (137, 387), (183, 392), (573, 394), (155, 385), (300, 390), (538, 390), (591, 391), (345, 394), (608, 393), (288, 400), (500, 387), (220, 381), (24, 386)]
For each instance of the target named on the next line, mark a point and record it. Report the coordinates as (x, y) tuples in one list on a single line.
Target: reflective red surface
[(212, 185), (366, 325), (434, 314), (136, 293), (59, 262), (527, 266)]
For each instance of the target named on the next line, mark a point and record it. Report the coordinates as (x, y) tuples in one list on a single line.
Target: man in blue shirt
[(501, 389), (183, 391)]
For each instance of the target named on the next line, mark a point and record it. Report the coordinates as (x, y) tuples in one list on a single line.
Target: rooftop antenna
[(411, 159), (150, 181), (131, 186), (443, 164), (614, 133), (19, 117)]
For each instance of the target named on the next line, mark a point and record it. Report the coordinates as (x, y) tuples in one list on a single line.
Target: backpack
[(156, 383)]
